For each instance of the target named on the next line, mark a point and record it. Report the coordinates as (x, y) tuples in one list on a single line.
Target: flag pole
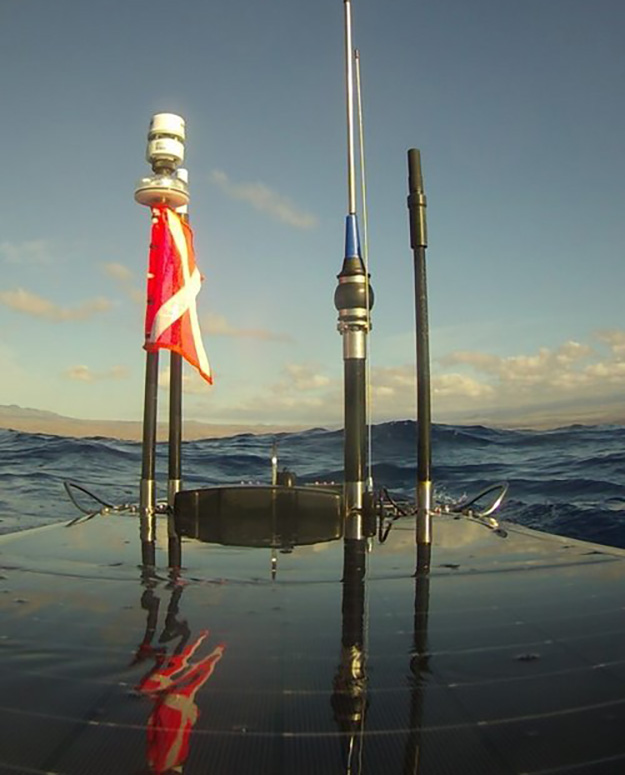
[(147, 493), (353, 299), (174, 482), (165, 153)]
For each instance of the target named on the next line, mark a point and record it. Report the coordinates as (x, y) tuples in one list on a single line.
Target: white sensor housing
[(166, 138), (165, 153)]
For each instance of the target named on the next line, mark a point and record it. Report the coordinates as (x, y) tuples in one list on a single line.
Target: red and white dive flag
[(173, 283)]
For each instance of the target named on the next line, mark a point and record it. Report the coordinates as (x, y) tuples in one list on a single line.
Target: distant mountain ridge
[(30, 420), (27, 420), (15, 411)]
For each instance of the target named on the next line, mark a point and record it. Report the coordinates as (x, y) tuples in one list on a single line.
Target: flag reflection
[(172, 685)]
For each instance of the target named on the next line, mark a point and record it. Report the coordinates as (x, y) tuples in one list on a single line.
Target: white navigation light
[(165, 153)]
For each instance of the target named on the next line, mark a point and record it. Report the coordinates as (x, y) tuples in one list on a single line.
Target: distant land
[(547, 417), (539, 418), (27, 420)]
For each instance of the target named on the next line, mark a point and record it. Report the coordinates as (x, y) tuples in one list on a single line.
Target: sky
[(519, 113)]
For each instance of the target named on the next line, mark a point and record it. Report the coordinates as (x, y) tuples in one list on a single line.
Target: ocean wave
[(569, 480)]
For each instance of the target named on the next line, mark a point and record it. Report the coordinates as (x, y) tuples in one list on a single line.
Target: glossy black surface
[(274, 516), (509, 657)]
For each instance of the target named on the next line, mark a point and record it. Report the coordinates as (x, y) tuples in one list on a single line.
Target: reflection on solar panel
[(509, 657)]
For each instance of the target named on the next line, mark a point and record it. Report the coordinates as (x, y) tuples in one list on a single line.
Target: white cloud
[(572, 375), (117, 271), (460, 386), (83, 373), (28, 252), (303, 377), (612, 371), (394, 391), (124, 279), (615, 340), (217, 325), (36, 306), (480, 361), (302, 394), (575, 376), (192, 383), (264, 199), (546, 367), (571, 382)]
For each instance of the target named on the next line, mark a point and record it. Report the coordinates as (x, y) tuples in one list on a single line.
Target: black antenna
[(418, 242)]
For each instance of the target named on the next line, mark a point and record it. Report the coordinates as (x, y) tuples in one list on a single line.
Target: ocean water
[(569, 481)]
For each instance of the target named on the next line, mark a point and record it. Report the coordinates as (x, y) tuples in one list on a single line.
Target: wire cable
[(365, 256)]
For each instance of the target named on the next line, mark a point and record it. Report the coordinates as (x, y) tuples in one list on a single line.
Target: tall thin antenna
[(353, 299), (361, 148), (349, 101)]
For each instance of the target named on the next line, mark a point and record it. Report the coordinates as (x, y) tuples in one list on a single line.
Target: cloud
[(460, 386), (575, 375), (548, 367), (83, 373), (118, 272), (302, 394), (575, 381), (29, 252), (615, 340), (394, 390), (217, 325), (302, 378), (264, 199), (124, 279), (480, 361), (192, 383), (36, 306)]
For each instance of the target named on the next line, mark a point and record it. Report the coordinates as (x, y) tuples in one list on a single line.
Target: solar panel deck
[(508, 657)]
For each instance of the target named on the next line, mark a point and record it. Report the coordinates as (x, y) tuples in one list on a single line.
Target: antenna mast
[(418, 241), (353, 299)]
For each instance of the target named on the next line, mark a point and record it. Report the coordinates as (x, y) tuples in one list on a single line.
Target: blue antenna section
[(352, 238)]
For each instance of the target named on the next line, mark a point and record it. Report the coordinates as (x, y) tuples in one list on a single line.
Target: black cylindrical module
[(355, 453), (352, 292), (417, 201)]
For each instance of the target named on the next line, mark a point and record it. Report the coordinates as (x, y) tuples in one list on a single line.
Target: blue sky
[(517, 108)]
